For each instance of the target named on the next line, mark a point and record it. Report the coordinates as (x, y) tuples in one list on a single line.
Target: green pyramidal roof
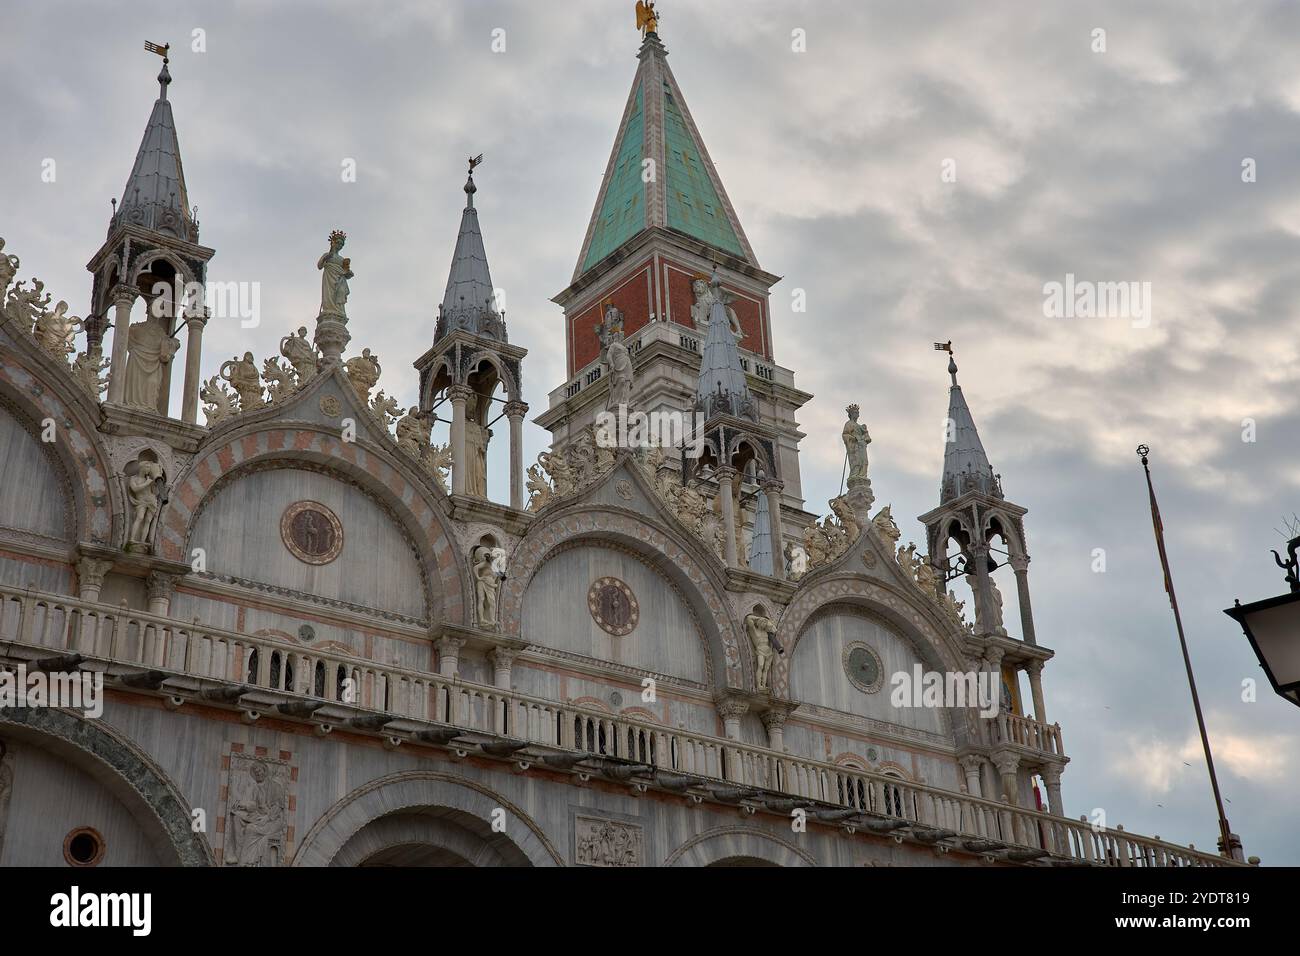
[(684, 193)]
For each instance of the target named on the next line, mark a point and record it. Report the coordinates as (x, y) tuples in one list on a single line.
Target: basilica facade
[(313, 639)]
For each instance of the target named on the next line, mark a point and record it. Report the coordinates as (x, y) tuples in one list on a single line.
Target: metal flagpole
[(1229, 846)]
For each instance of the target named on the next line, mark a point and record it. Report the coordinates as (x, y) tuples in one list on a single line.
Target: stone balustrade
[(1026, 733), (116, 637)]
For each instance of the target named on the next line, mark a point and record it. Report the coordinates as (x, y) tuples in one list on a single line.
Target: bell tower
[(665, 247), (152, 255)]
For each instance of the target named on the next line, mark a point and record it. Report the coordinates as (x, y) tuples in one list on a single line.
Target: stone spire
[(469, 302), (965, 465), (659, 173), (722, 389), (155, 196)]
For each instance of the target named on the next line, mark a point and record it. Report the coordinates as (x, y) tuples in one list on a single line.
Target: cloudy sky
[(1122, 165)]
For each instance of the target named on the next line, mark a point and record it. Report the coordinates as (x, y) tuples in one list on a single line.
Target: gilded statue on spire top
[(647, 20)]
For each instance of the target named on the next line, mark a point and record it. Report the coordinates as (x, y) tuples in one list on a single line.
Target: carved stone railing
[(1026, 733), (113, 637)]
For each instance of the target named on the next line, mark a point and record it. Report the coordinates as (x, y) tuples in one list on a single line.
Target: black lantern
[(1273, 628)]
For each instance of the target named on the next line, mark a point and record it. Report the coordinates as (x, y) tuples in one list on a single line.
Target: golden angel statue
[(647, 21)]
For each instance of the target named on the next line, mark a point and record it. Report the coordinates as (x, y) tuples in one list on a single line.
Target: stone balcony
[(673, 335), (148, 654)]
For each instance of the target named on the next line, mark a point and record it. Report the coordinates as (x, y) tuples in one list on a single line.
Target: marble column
[(1008, 764), (774, 724), (1052, 777), (90, 577), (460, 395), (970, 765), (772, 488), (123, 298), (1020, 564), (1035, 671), (983, 593), (731, 710), (160, 592), (449, 655), (515, 411), (502, 659), (726, 491), (194, 323)]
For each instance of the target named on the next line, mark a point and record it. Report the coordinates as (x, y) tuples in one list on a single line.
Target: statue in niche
[(301, 354), (363, 372), (258, 819), (144, 488), (702, 307), (55, 331), (149, 348), (856, 440), (476, 445), (244, 378), (335, 273), (487, 582), (994, 623), (760, 628)]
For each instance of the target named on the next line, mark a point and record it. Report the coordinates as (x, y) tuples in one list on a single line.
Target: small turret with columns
[(974, 513), (152, 253), (471, 359)]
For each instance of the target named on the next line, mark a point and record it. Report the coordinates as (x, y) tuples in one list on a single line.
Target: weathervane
[(160, 50), (475, 161)]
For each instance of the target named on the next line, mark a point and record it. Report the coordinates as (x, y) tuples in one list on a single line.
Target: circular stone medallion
[(863, 667), (311, 532), (330, 406), (613, 606)]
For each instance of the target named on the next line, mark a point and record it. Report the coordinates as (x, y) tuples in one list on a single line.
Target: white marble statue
[(703, 305), (335, 273), (994, 625), (796, 561), (856, 441), (760, 628), (149, 348), (619, 361), (476, 445), (486, 585), (143, 489), (244, 378), (55, 331), (8, 268), (301, 354), (363, 372)]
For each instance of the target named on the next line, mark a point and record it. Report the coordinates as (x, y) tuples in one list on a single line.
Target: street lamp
[(1273, 628)]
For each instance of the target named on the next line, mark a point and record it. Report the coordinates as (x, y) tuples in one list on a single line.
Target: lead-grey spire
[(965, 465), (155, 196), (722, 388), (469, 302)]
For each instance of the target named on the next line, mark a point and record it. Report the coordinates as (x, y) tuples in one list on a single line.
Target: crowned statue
[(335, 273)]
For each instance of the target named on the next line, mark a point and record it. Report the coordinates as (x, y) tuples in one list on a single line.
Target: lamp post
[(1273, 628)]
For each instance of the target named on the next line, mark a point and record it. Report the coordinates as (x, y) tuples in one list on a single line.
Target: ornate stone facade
[(316, 578)]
